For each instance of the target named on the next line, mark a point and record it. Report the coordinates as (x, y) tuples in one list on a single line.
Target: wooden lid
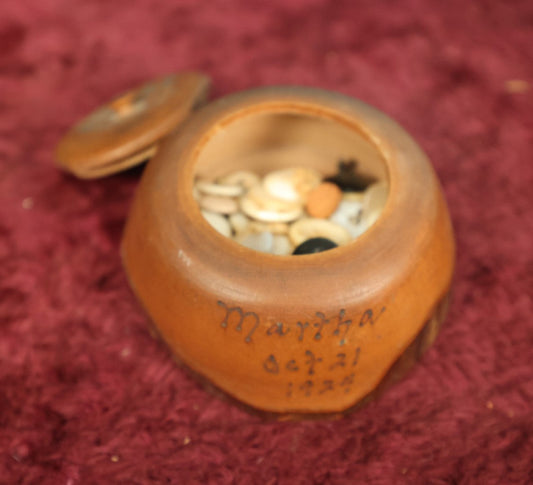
[(125, 131)]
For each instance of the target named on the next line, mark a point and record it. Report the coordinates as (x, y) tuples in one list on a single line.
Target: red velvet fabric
[(88, 396)]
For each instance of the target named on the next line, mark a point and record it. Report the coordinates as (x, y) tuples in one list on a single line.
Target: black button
[(314, 245)]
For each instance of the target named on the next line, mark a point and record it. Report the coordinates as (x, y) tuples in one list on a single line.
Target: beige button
[(292, 184), (210, 188), (353, 196), (273, 227), (282, 245), (239, 222), (373, 203), (244, 178), (259, 241), (309, 227), (218, 222), (260, 205), (220, 205)]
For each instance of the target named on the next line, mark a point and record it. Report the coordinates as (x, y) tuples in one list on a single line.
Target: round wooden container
[(317, 333)]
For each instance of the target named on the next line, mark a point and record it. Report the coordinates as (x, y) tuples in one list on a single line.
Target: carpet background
[(88, 396)]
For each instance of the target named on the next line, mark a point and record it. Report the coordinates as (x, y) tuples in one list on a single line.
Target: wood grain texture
[(125, 131), (306, 334)]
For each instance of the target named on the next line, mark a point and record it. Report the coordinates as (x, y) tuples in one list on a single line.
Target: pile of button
[(290, 211)]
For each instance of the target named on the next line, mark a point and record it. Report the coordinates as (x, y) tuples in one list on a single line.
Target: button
[(127, 130), (315, 245)]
